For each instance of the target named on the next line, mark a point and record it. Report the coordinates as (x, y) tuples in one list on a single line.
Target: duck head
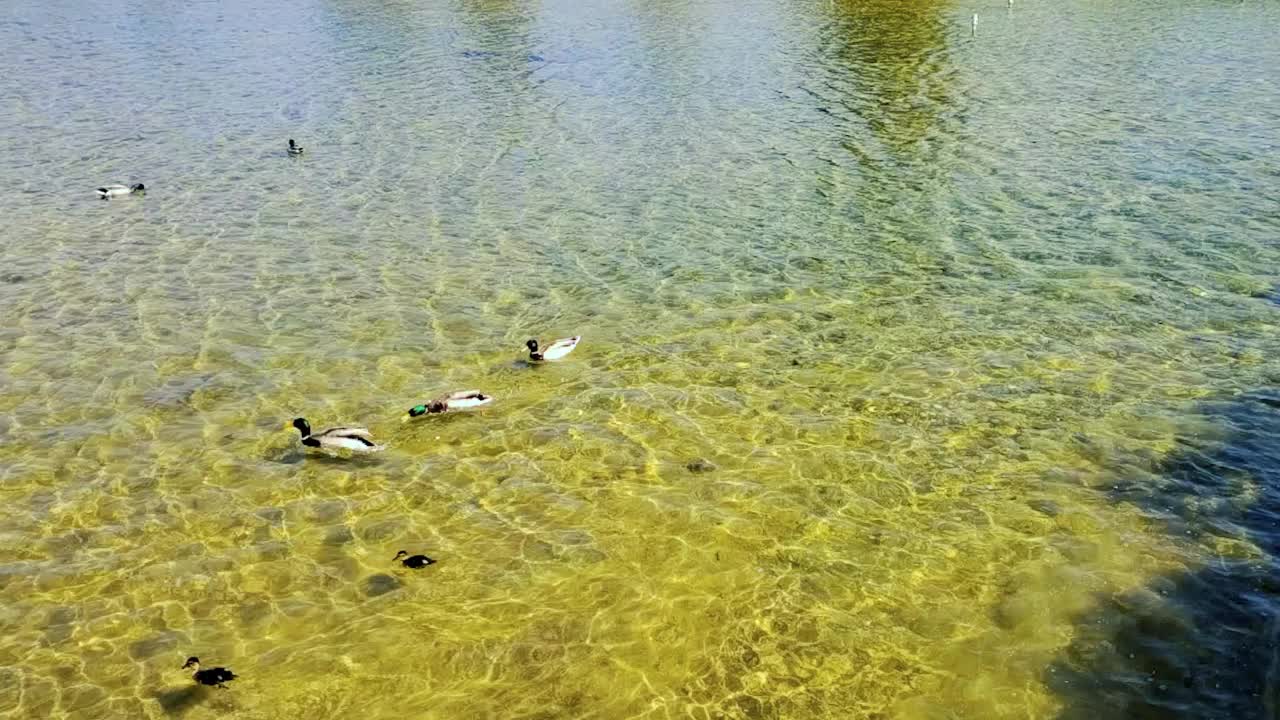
[(302, 425), (291, 143), (533, 350), (399, 555), (138, 188), (192, 662), (435, 406)]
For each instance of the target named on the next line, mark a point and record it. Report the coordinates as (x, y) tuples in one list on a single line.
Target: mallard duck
[(416, 562), (460, 400), (213, 676), (294, 149), (555, 351), (110, 191), (347, 438)]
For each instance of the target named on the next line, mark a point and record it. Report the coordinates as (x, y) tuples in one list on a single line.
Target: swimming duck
[(213, 676), (555, 351), (294, 149), (348, 438), (110, 191), (416, 562), (460, 400)]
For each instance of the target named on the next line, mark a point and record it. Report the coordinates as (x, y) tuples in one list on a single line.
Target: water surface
[(924, 375)]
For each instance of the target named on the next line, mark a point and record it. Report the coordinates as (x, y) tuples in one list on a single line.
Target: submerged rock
[(582, 555), (1047, 507), (381, 584), (381, 530), (700, 465), (149, 647), (272, 550), (273, 516), (339, 535), (328, 512), (177, 392)]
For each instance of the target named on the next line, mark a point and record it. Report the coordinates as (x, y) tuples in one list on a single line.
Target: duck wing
[(348, 438), (345, 432), (560, 348), (463, 399)]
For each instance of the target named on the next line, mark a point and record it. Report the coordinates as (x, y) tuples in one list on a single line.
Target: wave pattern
[(894, 341)]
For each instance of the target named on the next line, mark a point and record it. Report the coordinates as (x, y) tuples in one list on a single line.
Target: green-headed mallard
[(110, 191), (356, 439), (460, 400), (555, 351), (213, 676)]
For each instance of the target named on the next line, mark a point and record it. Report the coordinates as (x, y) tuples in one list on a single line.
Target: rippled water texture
[(924, 375)]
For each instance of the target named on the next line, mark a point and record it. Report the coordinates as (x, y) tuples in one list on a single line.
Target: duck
[(415, 562), (294, 149), (460, 400), (555, 351), (217, 676), (356, 439), (110, 191)]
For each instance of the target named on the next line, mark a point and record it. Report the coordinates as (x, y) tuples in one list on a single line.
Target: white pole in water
[(973, 28)]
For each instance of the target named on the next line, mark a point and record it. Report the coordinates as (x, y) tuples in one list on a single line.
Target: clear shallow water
[(977, 333)]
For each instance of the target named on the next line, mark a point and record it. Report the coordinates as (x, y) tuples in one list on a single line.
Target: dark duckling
[(416, 562), (213, 676)]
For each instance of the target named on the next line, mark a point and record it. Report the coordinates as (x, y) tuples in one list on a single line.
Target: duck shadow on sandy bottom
[(1201, 644), (297, 456), (177, 701)]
